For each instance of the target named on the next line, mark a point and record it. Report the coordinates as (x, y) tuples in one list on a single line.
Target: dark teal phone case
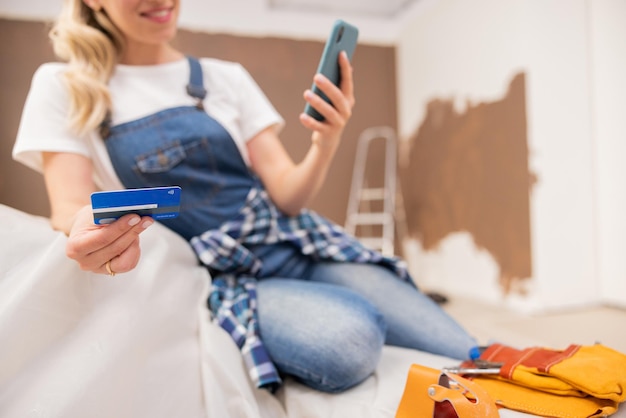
[(343, 37)]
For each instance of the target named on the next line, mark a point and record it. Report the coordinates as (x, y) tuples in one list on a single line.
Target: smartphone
[(343, 37), (157, 202)]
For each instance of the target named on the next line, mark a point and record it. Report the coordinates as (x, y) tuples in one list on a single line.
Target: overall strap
[(195, 88)]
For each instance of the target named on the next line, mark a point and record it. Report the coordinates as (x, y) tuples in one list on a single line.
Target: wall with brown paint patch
[(470, 173), (465, 54), (283, 68)]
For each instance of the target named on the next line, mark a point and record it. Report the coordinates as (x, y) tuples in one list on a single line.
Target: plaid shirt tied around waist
[(232, 299)]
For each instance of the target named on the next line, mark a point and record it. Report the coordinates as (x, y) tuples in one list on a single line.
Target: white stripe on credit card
[(125, 208)]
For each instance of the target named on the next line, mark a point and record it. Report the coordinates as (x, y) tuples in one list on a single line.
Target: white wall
[(608, 69), (470, 50)]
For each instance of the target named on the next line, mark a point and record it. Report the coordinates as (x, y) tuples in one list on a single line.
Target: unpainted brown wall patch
[(469, 172)]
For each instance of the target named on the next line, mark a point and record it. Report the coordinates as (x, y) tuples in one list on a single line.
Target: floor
[(496, 324)]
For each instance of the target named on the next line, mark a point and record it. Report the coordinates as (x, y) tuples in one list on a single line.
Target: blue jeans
[(299, 323)]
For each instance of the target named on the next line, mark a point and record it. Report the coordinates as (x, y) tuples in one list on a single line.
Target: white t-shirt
[(233, 99)]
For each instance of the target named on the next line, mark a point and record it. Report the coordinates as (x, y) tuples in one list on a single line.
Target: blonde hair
[(91, 44)]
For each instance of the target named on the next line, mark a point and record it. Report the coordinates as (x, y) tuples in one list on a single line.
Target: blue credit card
[(157, 202)]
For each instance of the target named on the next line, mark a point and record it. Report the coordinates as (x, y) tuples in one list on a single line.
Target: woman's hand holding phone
[(330, 100), (329, 130)]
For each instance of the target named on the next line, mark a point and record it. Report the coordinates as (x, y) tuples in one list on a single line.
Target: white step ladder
[(375, 227)]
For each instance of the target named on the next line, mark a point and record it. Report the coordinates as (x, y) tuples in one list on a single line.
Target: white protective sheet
[(77, 344)]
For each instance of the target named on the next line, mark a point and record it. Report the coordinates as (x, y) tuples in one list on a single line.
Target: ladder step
[(370, 218), (378, 193)]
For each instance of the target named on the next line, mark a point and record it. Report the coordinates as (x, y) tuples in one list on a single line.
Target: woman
[(298, 295)]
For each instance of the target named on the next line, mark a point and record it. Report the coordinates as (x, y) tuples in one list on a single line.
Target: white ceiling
[(372, 8)]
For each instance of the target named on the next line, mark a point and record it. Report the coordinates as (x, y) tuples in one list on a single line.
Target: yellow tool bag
[(577, 382)]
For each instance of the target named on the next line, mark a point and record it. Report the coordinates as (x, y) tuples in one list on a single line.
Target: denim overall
[(226, 214)]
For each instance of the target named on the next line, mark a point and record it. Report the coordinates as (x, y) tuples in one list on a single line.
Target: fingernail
[(146, 224), (134, 220)]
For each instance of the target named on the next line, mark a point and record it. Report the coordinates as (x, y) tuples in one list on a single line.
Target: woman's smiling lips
[(158, 15)]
